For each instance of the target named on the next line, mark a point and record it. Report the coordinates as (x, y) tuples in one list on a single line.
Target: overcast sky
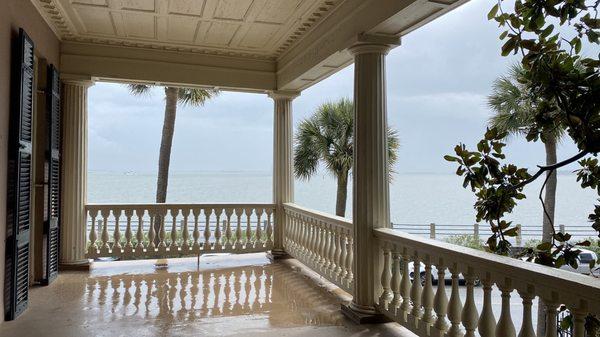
[(437, 82)]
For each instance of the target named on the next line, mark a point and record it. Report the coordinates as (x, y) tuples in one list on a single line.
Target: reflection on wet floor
[(287, 298)]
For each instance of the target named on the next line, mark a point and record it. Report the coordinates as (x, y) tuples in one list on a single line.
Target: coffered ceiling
[(262, 29)]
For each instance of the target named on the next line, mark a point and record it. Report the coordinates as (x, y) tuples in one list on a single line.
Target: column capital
[(79, 80), (369, 44), (283, 94)]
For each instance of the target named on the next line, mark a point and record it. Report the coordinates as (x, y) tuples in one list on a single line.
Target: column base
[(278, 254), (363, 315), (81, 265)]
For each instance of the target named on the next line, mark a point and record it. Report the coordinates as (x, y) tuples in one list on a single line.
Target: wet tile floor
[(228, 295)]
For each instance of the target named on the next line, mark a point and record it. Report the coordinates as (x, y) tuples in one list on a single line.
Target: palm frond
[(195, 96), (139, 89)]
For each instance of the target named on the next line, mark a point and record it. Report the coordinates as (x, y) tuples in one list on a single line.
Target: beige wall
[(15, 14)]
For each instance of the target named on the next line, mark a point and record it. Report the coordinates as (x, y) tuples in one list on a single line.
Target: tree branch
[(543, 169)]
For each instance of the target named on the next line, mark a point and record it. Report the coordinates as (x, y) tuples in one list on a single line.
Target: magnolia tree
[(565, 84)]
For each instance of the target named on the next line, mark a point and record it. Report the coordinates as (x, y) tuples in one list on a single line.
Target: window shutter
[(19, 179), (51, 225)]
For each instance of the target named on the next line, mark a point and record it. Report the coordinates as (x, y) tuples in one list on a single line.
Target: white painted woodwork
[(308, 231), (370, 193), (283, 161), (300, 41), (174, 219), (74, 172), (500, 275)]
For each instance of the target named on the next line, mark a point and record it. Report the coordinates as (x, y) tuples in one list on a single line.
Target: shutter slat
[(19, 179)]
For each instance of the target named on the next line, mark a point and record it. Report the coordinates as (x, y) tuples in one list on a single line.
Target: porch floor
[(228, 295)]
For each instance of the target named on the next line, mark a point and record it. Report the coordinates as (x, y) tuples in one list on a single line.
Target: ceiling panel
[(96, 22), (138, 5), (232, 9), (276, 11), (221, 33), (186, 7), (182, 29), (139, 25), (259, 35)]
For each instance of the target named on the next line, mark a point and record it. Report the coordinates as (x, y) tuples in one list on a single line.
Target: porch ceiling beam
[(119, 63), (324, 50)]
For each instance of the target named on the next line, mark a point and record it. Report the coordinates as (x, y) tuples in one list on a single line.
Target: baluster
[(228, 234), (386, 295), (116, 248), (527, 325), (185, 235), (196, 232), (441, 299), (395, 282), (238, 228), (343, 257), (139, 235), (318, 244), (416, 289), (248, 244), (269, 228), (174, 247), (218, 234), (152, 213), (105, 248), (349, 259), (162, 214), (258, 240), (311, 240), (551, 327), (325, 248), (487, 321), (93, 248), (338, 253), (469, 313), (505, 327), (330, 250), (207, 214), (128, 234), (405, 284), (427, 294), (455, 305)]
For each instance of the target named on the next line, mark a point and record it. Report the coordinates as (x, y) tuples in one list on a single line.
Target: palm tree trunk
[(342, 194), (548, 216), (164, 157)]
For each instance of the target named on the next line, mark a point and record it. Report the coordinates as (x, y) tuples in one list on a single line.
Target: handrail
[(321, 216), (412, 303)]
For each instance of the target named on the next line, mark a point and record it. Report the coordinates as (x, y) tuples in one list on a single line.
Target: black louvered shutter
[(19, 179), (51, 225)]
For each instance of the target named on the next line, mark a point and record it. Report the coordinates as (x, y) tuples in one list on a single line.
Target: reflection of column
[(283, 174), (74, 174), (371, 207)]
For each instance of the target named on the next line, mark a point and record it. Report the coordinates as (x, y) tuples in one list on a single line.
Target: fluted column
[(283, 170), (371, 207), (74, 173)]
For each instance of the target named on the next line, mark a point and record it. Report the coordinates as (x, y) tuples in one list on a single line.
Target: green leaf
[(544, 246), (492, 13)]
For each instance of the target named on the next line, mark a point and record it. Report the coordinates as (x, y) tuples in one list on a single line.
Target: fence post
[(519, 236), (562, 228), (476, 231), (432, 230)]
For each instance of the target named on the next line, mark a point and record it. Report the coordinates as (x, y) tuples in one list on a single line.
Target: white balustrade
[(163, 230), (322, 242), (407, 292)]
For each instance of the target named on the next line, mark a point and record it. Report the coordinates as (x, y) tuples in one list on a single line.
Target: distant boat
[(129, 173)]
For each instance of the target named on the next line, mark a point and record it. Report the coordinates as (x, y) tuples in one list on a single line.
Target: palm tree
[(173, 95), (327, 136), (514, 112)]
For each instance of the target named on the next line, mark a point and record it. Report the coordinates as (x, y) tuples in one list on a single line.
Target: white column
[(283, 160), (371, 207), (74, 173)]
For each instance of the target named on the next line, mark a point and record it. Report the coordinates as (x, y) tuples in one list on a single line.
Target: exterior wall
[(15, 14)]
